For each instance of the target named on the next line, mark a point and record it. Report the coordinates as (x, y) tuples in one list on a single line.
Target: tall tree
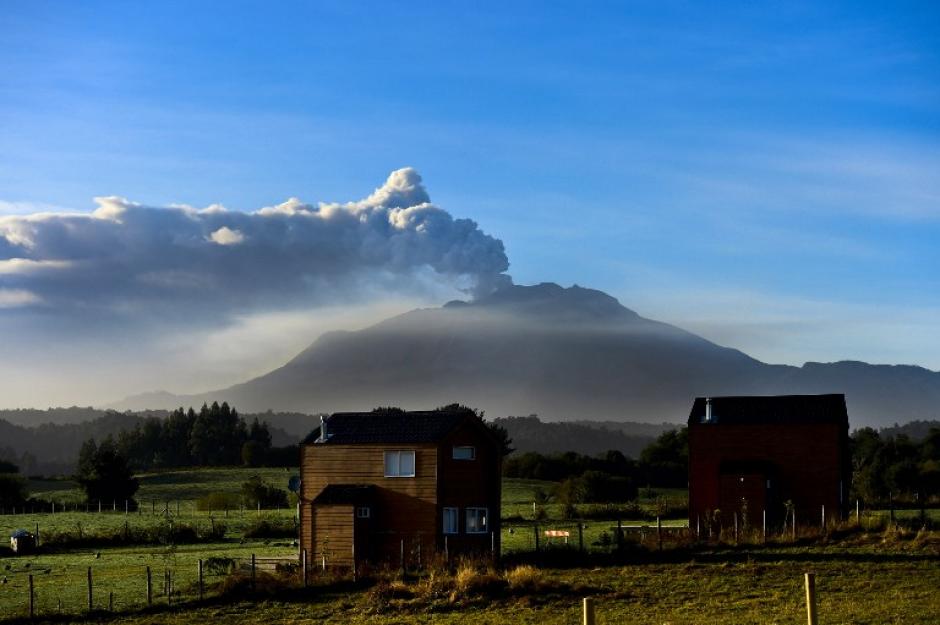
[(104, 473)]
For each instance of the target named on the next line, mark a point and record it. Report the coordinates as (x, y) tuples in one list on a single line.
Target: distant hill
[(561, 353)]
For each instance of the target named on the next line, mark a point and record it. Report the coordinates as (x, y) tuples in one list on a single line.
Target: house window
[(450, 520), (363, 512), (400, 463), (477, 521), (465, 453)]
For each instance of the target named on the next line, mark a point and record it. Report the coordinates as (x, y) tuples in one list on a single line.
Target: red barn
[(748, 455)]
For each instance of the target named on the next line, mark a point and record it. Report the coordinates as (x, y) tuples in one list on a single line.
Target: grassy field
[(863, 577)]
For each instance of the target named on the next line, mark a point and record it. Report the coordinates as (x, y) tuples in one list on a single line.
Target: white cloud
[(226, 236), (17, 298), (133, 260)]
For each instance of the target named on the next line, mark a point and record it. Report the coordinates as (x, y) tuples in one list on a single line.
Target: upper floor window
[(477, 521), (400, 463), (363, 512), (465, 453)]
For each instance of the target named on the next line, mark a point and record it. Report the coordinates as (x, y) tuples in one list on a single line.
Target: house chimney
[(708, 410), (323, 433)]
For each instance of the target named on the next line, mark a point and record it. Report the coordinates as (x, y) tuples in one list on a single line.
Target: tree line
[(215, 436), (895, 468)]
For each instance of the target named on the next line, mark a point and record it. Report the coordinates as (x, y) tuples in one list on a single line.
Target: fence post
[(735, 515), (149, 588), (303, 565), (588, 611), (446, 551), (37, 534), (822, 521), (110, 601), (402, 557), (200, 580), (580, 537), (31, 604), (659, 532), (90, 603), (126, 507), (114, 505), (858, 519), (764, 531), (811, 599), (536, 528), (169, 587), (99, 506), (252, 571), (355, 567), (619, 535)]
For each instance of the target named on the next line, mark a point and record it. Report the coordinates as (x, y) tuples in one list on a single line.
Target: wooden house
[(754, 455), (389, 485)]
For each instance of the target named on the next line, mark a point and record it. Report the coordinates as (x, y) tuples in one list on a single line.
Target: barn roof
[(389, 426), (345, 494), (773, 409)]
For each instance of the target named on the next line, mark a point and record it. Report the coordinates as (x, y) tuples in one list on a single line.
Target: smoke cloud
[(128, 259)]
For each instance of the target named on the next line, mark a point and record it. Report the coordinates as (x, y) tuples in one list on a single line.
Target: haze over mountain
[(561, 353)]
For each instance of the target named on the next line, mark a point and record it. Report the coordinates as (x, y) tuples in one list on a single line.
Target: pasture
[(864, 575)]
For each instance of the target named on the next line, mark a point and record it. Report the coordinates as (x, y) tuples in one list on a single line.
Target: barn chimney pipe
[(323, 433), (708, 410)]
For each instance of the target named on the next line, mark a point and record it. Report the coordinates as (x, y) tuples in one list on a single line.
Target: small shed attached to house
[(755, 454)]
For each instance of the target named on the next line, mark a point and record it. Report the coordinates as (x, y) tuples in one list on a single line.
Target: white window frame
[(486, 520), (363, 512), (397, 455), (456, 518), (473, 452)]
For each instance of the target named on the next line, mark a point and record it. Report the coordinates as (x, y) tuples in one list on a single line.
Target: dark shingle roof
[(394, 426), (773, 409), (345, 494)]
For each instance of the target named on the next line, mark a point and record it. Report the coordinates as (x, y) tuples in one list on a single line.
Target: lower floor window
[(450, 520), (477, 521)]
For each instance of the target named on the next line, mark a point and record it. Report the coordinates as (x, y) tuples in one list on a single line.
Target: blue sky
[(765, 174)]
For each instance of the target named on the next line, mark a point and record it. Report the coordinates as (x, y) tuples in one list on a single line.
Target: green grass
[(864, 579)]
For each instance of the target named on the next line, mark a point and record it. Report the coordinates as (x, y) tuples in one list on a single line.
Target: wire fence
[(75, 588)]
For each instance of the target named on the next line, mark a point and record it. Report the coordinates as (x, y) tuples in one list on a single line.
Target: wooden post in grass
[(355, 567), (536, 528), (858, 519), (90, 601), (446, 551), (114, 505), (110, 601), (303, 566), (822, 520), (252, 571), (619, 535), (99, 506), (659, 532), (764, 531), (402, 558), (37, 534), (199, 572), (149, 588), (588, 611), (811, 599), (580, 537), (31, 605), (169, 587)]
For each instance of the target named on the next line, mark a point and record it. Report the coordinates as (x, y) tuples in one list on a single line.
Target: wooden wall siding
[(809, 462), (469, 483), (333, 528), (401, 507)]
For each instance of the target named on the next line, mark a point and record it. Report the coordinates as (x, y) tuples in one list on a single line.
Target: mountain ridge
[(563, 353)]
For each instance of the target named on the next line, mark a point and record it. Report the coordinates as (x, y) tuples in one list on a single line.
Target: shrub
[(219, 501), (267, 527), (524, 578), (256, 493)]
